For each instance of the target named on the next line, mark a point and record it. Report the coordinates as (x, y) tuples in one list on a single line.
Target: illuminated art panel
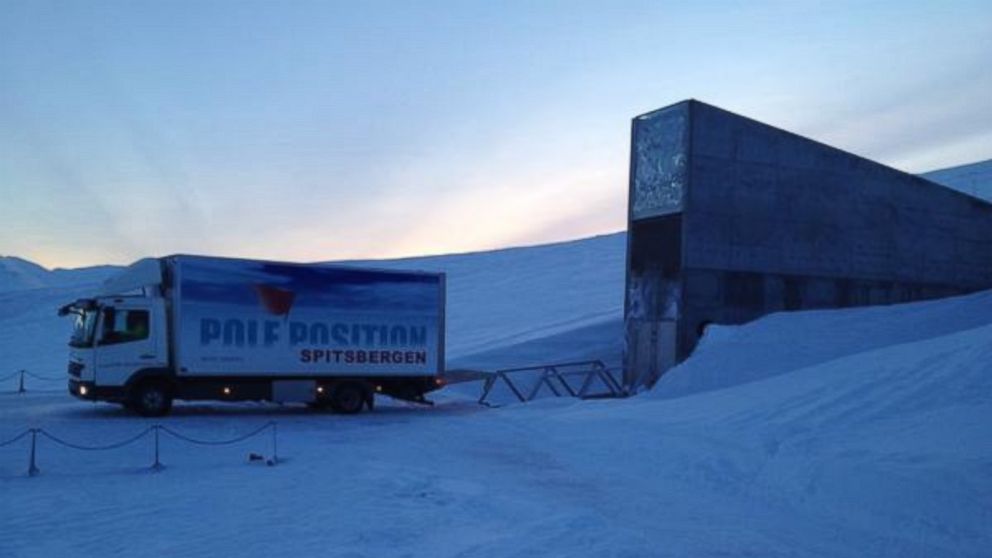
[(660, 162)]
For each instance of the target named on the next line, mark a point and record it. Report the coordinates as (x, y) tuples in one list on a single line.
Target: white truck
[(207, 328)]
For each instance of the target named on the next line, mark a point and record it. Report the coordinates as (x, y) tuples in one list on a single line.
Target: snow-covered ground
[(856, 432)]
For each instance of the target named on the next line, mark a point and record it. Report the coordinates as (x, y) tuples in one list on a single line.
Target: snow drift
[(785, 342)]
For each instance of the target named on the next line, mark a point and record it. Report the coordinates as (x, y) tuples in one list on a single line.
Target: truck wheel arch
[(164, 374)]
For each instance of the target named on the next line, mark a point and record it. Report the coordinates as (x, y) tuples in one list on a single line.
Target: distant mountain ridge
[(20, 274), (17, 273)]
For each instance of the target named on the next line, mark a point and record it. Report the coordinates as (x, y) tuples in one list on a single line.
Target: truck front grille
[(75, 369)]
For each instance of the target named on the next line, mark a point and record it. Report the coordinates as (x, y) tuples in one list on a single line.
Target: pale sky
[(329, 130)]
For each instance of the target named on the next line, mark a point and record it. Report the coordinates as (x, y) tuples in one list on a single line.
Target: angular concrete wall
[(769, 221)]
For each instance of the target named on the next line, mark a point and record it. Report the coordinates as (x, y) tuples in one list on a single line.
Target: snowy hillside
[(522, 297), (499, 304), (974, 179), (19, 274)]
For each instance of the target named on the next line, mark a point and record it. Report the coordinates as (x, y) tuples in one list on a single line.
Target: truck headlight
[(83, 390)]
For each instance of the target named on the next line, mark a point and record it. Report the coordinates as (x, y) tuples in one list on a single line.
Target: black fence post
[(32, 466), (275, 446), (20, 386), (157, 466)]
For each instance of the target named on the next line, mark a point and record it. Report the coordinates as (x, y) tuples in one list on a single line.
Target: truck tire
[(348, 398), (151, 398)]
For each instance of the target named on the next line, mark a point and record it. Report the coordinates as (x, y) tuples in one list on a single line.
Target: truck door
[(128, 340)]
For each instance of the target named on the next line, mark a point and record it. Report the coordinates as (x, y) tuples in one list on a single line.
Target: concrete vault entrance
[(730, 219)]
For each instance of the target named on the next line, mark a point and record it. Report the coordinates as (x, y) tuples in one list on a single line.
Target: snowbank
[(788, 341)]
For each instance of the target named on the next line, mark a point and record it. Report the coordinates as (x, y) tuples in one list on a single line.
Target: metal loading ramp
[(589, 379)]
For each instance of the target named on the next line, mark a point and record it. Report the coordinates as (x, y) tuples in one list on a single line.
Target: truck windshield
[(83, 328)]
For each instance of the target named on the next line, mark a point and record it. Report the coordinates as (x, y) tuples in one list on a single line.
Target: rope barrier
[(121, 444), (242, 438), (15, 438), (22, 374), (43, 378), (34, 433)]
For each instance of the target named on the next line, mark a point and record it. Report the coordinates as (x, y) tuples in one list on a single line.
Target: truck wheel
[(348, 398), (151, 398)]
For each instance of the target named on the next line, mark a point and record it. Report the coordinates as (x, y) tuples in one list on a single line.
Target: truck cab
[(115, 341)]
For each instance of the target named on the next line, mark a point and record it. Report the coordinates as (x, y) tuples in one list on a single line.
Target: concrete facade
[(730, 219)]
